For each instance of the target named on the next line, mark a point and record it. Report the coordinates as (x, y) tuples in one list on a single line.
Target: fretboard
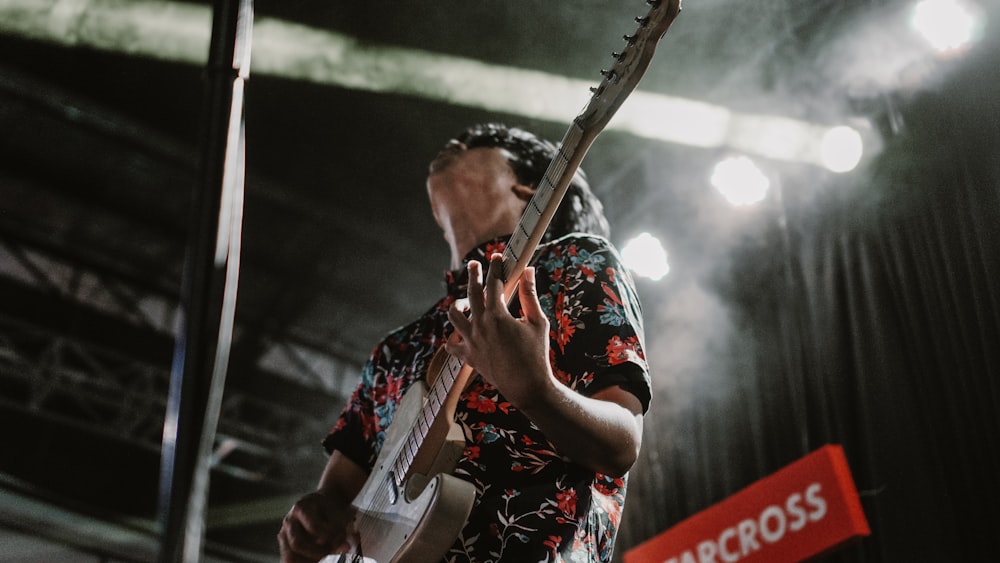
[(436, 395), (542, 207)]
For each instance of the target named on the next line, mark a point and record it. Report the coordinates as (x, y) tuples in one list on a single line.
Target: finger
[(301, 543), (459, 320), (313, 522), (527, 291), (454, 345), (475, 288), (494, 284), (351, 542)]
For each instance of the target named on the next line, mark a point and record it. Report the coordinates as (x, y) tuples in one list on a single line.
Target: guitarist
[(552, 416)]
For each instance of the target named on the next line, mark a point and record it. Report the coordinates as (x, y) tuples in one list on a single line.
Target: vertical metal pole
[(208, 294)]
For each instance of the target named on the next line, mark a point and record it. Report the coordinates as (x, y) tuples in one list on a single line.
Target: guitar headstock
[(629, 66)]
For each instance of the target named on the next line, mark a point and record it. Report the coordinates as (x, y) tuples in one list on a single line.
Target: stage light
[(946, 24), (841, 149), (740, 181), (646, 257)]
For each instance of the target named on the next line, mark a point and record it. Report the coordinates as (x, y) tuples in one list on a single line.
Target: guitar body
[(420, 521)]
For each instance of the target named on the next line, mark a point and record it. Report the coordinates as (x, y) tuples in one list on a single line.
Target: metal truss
[(85, 347)]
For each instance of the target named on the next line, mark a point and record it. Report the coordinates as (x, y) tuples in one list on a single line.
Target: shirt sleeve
[(395, 362), (355, 434), (596, 328)]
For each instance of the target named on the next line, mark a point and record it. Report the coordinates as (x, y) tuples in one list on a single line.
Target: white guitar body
[(421, 521)]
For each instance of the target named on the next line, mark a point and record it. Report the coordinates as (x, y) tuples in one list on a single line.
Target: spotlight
[(740, 181), (841, 149), (645, 256), (945, 24)]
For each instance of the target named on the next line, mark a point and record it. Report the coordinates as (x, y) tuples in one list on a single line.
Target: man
[(552, 417)]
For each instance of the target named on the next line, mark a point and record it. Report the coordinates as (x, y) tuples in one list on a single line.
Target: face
[(475, 190)]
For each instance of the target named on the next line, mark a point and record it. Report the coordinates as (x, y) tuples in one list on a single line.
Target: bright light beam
[(645, 256), (945, 24), (180, 32), (841, 149), (740, 181)]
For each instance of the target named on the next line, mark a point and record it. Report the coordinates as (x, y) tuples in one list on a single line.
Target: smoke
[(689, 338)]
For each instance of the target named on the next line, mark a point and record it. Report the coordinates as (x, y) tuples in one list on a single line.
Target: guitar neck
[(451, 371), (543, 205)]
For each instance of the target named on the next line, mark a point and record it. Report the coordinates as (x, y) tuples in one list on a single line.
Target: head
[(529, 156)]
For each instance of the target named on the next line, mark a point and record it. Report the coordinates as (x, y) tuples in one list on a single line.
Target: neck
[(464, 235)]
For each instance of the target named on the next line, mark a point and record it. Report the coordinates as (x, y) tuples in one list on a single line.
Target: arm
[(602, 432), (320, 523)]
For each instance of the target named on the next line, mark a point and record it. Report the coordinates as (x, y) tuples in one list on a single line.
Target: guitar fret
[(534, 205), (411, 450), (548, 181), (529, 222), (518, 240)]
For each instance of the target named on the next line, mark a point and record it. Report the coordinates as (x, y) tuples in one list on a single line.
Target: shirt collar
[(457, 281)]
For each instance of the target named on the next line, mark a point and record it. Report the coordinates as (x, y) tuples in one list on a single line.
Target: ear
[(524, 193)]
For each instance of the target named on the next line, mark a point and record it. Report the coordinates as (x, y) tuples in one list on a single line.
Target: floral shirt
[(532, 504)]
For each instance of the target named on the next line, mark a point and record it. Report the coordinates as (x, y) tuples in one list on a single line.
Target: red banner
[(805, 509)]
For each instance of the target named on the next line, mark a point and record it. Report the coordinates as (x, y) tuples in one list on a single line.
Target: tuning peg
[(642, 21), (653, 3), (630, 39), (618, 56), (609, 75), (596, 90)]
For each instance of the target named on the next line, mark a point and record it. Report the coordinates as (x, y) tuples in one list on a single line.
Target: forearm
[(603, 432), (341, 478)]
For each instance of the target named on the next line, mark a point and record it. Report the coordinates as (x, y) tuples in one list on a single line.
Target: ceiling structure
[(101, 112)]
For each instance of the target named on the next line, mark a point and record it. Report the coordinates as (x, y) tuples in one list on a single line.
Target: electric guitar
[(411, 508)]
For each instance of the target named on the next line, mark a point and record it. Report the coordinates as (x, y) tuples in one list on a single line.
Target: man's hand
[(316, 526), (602, 432), (511, 353)]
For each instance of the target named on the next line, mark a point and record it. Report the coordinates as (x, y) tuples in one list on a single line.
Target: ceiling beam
[(180, 32)]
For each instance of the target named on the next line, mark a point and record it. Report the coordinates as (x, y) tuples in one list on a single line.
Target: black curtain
[(869, 319)]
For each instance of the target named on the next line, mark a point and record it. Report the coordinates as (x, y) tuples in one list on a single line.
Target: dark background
[(858, 308)]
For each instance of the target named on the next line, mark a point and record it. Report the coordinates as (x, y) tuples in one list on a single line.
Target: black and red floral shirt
[(532, 504)]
